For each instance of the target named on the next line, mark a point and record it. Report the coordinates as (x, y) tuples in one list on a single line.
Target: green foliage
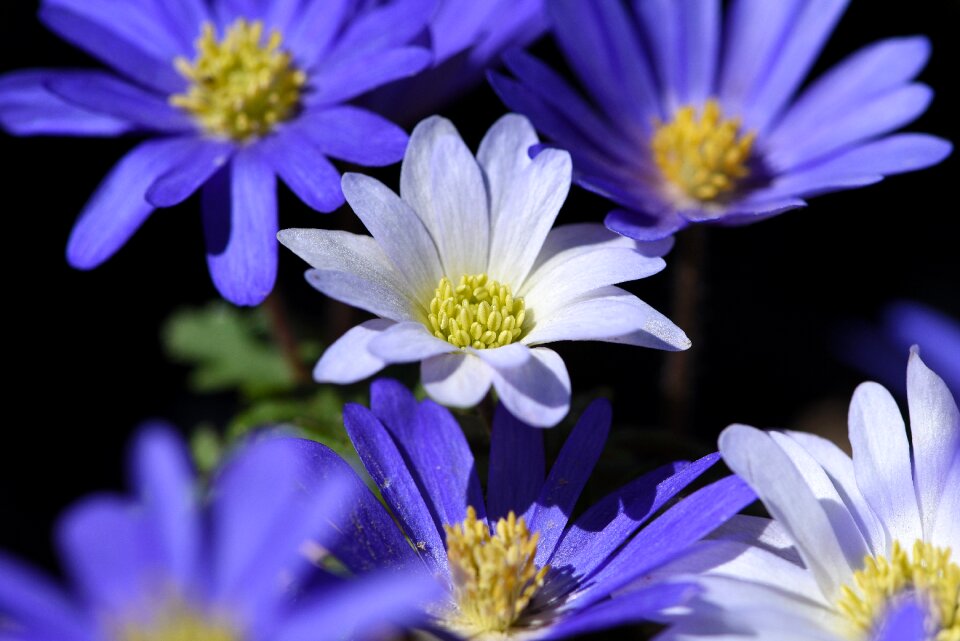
[(228, 349)]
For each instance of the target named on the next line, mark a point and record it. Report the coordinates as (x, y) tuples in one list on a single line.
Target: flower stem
[(284, 337), (678, 378)]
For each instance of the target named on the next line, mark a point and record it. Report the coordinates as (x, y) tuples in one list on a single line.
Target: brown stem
[(285, 338), (678, 381)]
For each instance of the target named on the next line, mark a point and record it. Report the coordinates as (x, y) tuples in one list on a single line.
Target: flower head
[(512, 561), (691, 118), (468, 278), (858, 548), (231, 96), (167, 566)]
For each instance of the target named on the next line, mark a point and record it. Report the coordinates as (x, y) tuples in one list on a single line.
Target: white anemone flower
[(467, 277), (861, 549)]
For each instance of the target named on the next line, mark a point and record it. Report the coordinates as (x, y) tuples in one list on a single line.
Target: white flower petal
[(348, 360), (399, 232), (442, 182), (935, 427), (845, 527), (557, 284), (585, 236), (536, 392), (408, 342), (760, 532), (754, 456), (525, 195), (946, 527), (881, 459), (612, 315), (374, 296), (839, 468), (736, 560), (459, 379)]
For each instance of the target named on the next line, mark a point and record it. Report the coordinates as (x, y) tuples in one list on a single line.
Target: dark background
[(84, 362)]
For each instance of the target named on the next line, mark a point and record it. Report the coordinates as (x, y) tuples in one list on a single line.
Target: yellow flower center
[(240, 86), (928, 575), (703, 157), (179, 623), (494, 575), (479, 312)]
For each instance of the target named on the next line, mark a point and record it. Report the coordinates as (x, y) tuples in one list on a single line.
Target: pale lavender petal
[(935, 431), (459, 379), (240, 227), (906, 622), (945, 530), (349, 359), (881, 458), (401, 234), (537, 392), (408, 342)]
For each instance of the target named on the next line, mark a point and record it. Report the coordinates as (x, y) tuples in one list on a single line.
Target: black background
[(83, 360)]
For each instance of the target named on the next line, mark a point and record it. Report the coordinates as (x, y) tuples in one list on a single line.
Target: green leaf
[(229, 349)]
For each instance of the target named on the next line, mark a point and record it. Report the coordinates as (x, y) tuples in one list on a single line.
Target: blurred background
[(90, 355)]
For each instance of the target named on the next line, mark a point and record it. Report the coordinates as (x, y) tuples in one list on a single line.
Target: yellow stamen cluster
[(179, 623), (494, 575), (240, 87), (479, 312), (703, 157), (929, 575)]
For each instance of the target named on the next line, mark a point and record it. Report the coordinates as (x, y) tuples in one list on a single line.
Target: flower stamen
[(494, 575), (929, 576), (478, 312), (704, 158), (240, 87)]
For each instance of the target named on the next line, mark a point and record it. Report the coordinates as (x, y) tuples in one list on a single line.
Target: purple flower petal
[(240, 224), (349, 360), (642, 226), (368, 536), (597, 534), (32, 601), (870, 72), (870, 119), (111, 552), (164, 479), (118, 207), (567, 477), (604, 51), (517, 466), (906, 622), (810, 24), (178, 184), (385, 27), (638, 605), (891, 155), (27, 108), (685, 42), (670, 535), (311, 35), (102, 92), (388, 469), (304, 168), (104, 35), (185, 19), (362, 608), (355, 135), (341, 80)]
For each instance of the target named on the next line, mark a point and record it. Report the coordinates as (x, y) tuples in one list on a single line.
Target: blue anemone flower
[(466, 38), (231, 94), (693, 119), (166, 565), (514, 563)]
